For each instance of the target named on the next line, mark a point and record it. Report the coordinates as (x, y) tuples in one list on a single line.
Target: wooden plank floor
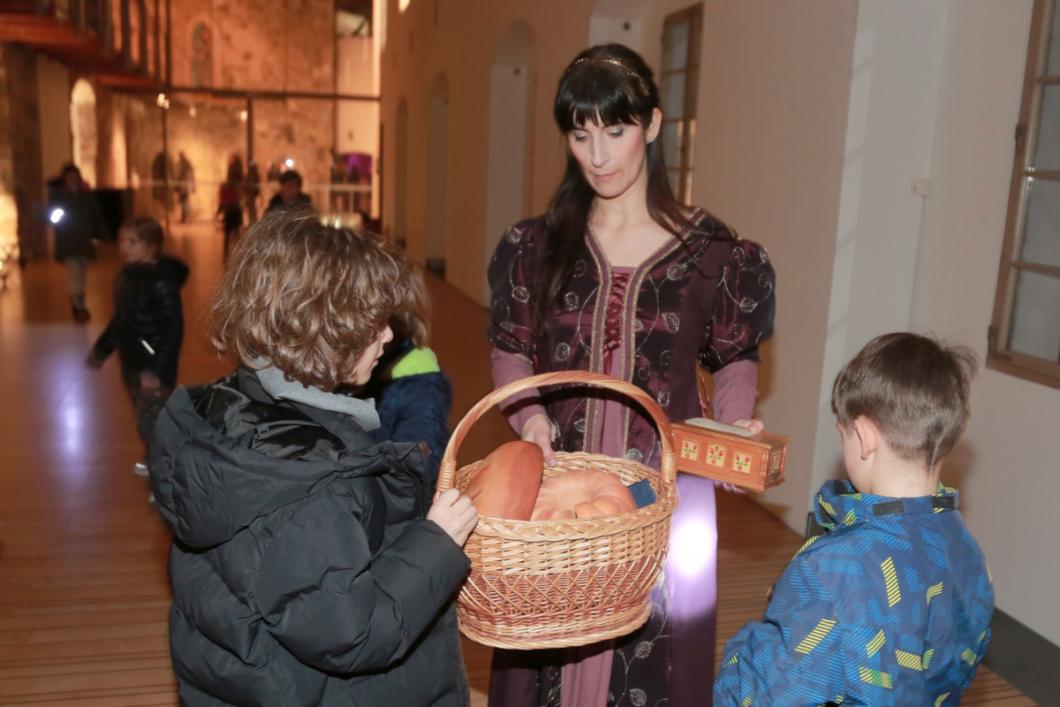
[(83, 588)]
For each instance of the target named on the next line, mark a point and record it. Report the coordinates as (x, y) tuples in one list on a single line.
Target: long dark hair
[(609, 84)]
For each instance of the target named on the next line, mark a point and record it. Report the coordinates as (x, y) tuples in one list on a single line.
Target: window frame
[(693, 15), (1000, 356)]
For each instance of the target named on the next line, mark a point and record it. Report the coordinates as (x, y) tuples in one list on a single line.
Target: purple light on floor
[(692, 543), (691, 564), (73, 427)]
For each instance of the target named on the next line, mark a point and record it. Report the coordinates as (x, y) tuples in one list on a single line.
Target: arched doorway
[(84, 129), (401, 173), (437, 172), (510, 165)]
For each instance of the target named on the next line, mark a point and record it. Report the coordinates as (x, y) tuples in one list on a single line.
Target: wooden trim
[(998, 356), (1045, 175), (1041, 268), (156, 30), (169, 44), (693, 16), (255, 93), (1026, 367), (126, 33), (141, 35)]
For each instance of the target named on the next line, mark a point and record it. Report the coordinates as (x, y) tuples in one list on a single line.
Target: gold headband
[(628, 70)]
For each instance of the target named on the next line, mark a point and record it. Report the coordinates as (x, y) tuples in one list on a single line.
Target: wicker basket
[(556, 583)]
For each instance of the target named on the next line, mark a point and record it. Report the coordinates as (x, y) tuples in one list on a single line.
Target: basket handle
[(667, 464)]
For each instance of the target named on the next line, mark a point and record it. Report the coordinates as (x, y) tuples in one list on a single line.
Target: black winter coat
[(80, 223), (303, 569), (148, 322)]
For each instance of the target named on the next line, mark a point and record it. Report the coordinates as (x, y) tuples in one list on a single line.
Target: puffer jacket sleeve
[(169, 318), (340, 610), (794, 656), (107, 342)]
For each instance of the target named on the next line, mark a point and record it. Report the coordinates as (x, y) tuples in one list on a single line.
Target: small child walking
[(147, 326)]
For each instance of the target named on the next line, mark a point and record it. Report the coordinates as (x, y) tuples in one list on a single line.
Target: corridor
[(83, 587)]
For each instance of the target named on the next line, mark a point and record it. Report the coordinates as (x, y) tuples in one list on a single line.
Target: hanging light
[(288, 163), (161, 100), (243, 115), (56, 215)]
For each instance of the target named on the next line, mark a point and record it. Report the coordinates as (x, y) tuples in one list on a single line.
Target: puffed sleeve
[(511, 281), (743, 307)]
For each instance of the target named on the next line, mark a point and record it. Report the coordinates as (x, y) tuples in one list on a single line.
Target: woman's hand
[(455, 514), (754, 426), (538, 429)]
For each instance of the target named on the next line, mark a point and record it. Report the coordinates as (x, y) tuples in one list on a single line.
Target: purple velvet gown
[(709, 300)]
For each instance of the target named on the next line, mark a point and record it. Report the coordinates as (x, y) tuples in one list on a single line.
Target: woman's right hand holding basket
[(538, 430), (454, 513)]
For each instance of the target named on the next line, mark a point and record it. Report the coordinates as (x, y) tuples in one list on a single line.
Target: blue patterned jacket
[(891, 606)]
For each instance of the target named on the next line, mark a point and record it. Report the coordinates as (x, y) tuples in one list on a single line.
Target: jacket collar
[(839, 504), (277, 385)]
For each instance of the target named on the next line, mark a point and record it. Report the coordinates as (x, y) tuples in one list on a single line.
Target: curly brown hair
[(307, 297)]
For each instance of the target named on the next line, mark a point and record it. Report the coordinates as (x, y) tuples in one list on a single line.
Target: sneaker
[(140, 469)]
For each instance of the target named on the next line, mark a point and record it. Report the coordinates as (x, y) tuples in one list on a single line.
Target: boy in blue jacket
[(892, 605)]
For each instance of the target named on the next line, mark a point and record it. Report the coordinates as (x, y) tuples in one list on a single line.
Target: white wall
[(769, 161), (895, 83), (437, 168), (812, 148), (460, 39), (1007, 468), (509, 108)]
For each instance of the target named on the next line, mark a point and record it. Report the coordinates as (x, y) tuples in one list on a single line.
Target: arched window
[(510, 165), (437, 172), (201, 55), (84, 129)]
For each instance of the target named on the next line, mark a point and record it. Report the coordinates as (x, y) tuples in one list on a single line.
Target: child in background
[(411, 392), (892, 605), (230, 209), (310, 566), (148, 323)]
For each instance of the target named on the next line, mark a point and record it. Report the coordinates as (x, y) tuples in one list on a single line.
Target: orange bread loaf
[(507, 483), (582, 493)]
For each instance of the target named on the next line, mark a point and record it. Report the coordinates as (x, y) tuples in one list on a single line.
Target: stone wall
[(300, 129), (288, 47), (21, 175), (207, 138)]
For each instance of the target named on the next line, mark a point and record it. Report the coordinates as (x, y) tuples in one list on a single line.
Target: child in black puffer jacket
[(148, 322), (311, 564)]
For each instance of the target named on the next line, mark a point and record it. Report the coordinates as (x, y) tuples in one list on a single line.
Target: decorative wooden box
[(728, 453)]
